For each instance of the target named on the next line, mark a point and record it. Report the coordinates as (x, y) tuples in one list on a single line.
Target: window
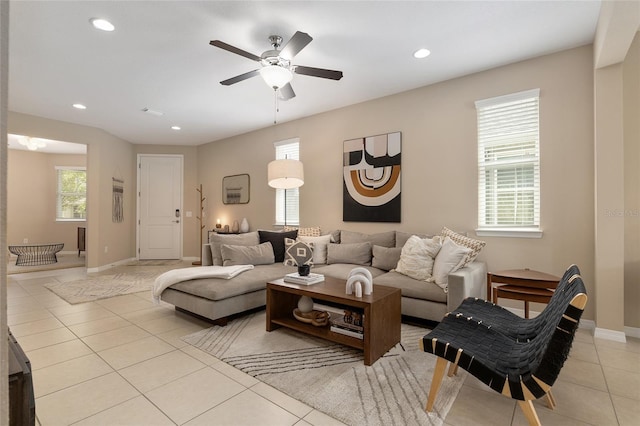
[(72, 193), (288, 201), (509, 165)]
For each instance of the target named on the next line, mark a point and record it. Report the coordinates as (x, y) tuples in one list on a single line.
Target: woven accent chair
[(496, 351)]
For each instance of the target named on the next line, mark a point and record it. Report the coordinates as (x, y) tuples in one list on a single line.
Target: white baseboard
[(616, 336), (191, 258), (111, 265), (632, 332)]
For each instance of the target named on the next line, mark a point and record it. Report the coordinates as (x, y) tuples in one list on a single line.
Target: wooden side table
[(522, 284)]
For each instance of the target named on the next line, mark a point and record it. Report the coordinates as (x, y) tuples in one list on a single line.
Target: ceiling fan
[(276, 67)]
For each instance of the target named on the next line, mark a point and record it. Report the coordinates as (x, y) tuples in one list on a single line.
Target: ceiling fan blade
[(295, 45), (239, 78), (318, 72), (233, 49), (286, 92)]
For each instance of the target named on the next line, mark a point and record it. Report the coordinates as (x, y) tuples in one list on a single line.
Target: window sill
[(510, 233), (71, 220)]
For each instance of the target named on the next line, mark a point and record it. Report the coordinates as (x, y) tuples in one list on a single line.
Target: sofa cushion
[(311, 231), (298, 252), (319, 247), (216, 240), (356, 254), (341, 270), (385, 258), (417, 257), (276, 238), (402, 237), (384, 239), (261, 254), (219, 289), (450, 258), (463, 240), (412, 288)]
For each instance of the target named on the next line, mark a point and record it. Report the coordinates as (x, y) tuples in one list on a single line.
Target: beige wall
[(107, 157), (631, 79), (31, 202), (439, 185)]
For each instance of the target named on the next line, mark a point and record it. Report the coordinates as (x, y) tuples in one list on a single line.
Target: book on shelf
[(295, 278), (339, 322), (346, 332)]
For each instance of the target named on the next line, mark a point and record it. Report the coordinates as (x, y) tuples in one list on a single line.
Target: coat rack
[(199, 262)]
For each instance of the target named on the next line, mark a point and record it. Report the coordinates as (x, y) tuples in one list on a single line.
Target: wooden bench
[(36, 254)]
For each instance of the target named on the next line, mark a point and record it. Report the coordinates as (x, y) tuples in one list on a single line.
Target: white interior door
[(160, 206)]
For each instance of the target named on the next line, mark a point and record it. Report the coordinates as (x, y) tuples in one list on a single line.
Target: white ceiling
[(159, 56)]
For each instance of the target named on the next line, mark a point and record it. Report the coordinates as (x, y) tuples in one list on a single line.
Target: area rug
[(332, 378), (104, 286), (155, 262)]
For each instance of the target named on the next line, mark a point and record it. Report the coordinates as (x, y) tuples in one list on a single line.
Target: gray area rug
[(333, 378), (155, 262), (104, 286)]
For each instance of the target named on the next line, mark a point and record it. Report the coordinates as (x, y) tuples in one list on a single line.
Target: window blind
[(509, 161), (288, 149)]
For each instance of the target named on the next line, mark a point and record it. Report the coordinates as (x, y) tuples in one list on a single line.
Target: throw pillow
[(417, 257), (403, 237), (385, 258), (319, 247), (463, 240), (276, 238), (450, 258), (216, 240), (297, 252), (311, 231), (357, 254), (261, 254), (384, 239)]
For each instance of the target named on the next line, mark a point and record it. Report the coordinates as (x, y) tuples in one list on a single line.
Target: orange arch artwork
[(372, 172)]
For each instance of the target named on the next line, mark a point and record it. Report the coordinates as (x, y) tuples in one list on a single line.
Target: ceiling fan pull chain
[(275, 105)]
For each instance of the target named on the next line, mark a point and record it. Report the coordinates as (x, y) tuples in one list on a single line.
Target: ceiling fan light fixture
[(276, 76)]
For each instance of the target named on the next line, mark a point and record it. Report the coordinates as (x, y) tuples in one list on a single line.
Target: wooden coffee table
[(381, 309)]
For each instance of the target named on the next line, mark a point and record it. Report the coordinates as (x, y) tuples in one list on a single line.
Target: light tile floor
[(120, 361)]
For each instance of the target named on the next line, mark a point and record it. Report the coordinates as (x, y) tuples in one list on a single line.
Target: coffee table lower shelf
[(380, 310), (322, 332)]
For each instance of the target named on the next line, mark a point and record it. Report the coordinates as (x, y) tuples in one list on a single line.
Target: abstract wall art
[(372, 179)]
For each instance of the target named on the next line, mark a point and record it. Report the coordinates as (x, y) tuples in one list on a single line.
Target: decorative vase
[(236, 227), (305, 304), (244, 225)]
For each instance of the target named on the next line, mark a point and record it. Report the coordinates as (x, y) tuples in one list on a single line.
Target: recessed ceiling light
[(102, 24), (175, 127), (421, 53), (79, 106)]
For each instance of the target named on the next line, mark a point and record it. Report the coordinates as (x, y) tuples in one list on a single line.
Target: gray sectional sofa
[(217, 299)]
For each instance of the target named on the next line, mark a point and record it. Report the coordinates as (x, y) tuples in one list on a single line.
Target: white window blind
[(509, 161), (71, 193), (288, 149)]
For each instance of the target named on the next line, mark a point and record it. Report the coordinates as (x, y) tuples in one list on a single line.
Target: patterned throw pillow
[(462, 240), (417, 257), (297, 253), (311, 231)]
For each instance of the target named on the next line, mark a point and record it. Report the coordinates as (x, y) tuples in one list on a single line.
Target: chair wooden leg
[(453, 369), (530, 412), (438, 374), (551, 401)]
